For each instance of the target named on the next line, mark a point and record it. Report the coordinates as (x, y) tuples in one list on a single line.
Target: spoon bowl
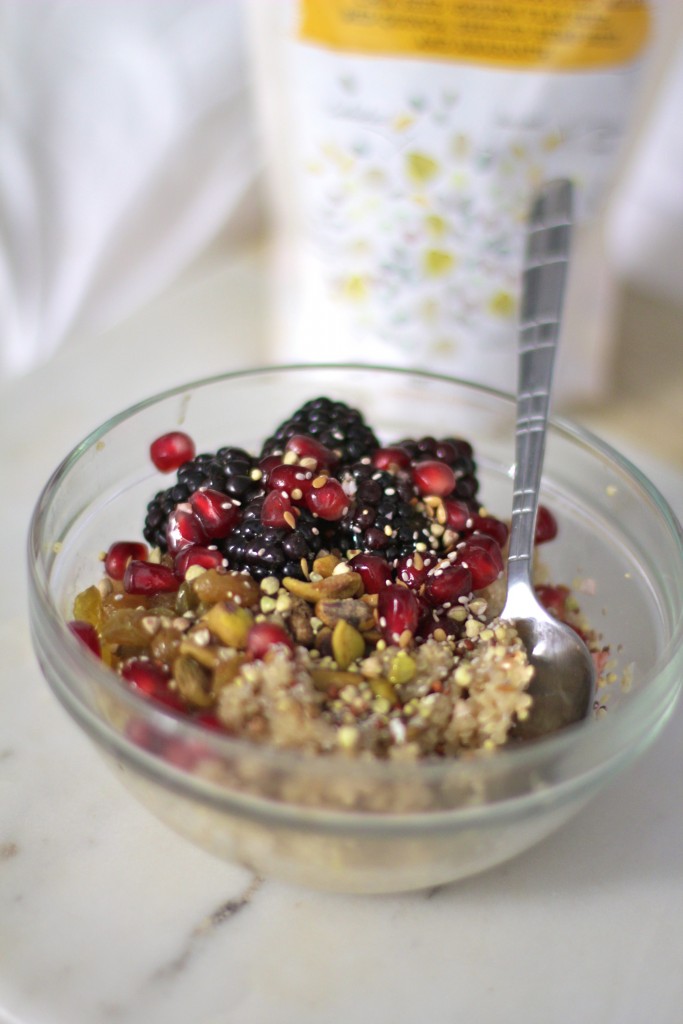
[(564, 674)]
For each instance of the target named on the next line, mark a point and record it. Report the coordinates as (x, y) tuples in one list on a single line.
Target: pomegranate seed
[(553, 599), (87, 634), (119, 555), (491, 527), (444, 586), (412, 569), (147, 578), (183, 754), (293, 480), (305, 447), (143, 735), (171, 450), (459, 516), (183, 528), (546, 525), (277, 510), (215, 511), (433, 622), (433, 477), (197, 554), (374, 571), (482, 556), (267, 466), (330, 502), (398, 610), (391, 459), (151, 680), (264, 635), (209, 720)]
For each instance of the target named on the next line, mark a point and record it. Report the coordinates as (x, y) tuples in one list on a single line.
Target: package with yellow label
[(405, 140)]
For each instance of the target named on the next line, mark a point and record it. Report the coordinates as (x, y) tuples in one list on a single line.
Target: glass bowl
[(344, 824)]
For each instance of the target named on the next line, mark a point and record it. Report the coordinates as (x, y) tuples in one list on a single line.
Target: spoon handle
[(545, 264)]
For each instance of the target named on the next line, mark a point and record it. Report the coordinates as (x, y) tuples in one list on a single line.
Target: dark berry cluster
[(334, 424), (322, 482)]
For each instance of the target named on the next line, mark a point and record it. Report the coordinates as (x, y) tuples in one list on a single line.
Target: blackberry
[(384, 517), (270, 550), (335, 424), (229, 471), (456, 452)]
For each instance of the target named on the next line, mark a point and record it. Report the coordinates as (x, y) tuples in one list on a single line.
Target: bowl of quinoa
[(272, 599)]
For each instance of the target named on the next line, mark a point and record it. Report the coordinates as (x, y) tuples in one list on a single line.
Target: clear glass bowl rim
[(656, 693)]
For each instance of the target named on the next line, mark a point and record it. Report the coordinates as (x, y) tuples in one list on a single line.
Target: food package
[(404, 141)]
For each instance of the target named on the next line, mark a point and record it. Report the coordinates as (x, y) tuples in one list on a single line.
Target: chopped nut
[(347, 644), (230, 623), (352, 610)]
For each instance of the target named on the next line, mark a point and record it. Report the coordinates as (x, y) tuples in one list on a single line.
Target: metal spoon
[(564, 675)]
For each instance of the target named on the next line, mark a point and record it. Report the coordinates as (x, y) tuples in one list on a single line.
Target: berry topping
[(183, 528), (327, 499), (231, 471), (277, 510), (310, 453), (86, 634), (482, 556), (399, 612), (413, 569), (197, 554), (334, 424), (446, 585), (171, 450), (149, 578), (433, 477), (119, 555), (264, 635), (374, 571), (392, 459), (151, 680), (217, 514), (546, 525)]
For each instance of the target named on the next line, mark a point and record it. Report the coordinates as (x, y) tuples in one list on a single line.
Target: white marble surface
[(107, 917)]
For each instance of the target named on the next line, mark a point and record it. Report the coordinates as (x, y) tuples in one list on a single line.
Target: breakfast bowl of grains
[(272, 601)]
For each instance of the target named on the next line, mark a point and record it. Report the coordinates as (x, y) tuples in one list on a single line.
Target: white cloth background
[(126, 144)]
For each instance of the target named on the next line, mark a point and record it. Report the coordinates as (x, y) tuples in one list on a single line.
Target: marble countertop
[(106, 916)]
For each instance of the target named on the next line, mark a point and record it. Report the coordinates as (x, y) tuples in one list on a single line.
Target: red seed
[(433, 477), (267, 466), (87, 634), (147, 578), (305, 447), (398, 610), (197, 554), (119, 555), (264, 635), (151, 680), (277, 510), (412, 569), (546, 525), (183, 528), (291, 480), (444, 586), (553, 599), (391, 458), (459, 515), (430, 623), (491, 527), (482, 556), (215, 511), (171, 450), (330, 501), (374, 571)]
